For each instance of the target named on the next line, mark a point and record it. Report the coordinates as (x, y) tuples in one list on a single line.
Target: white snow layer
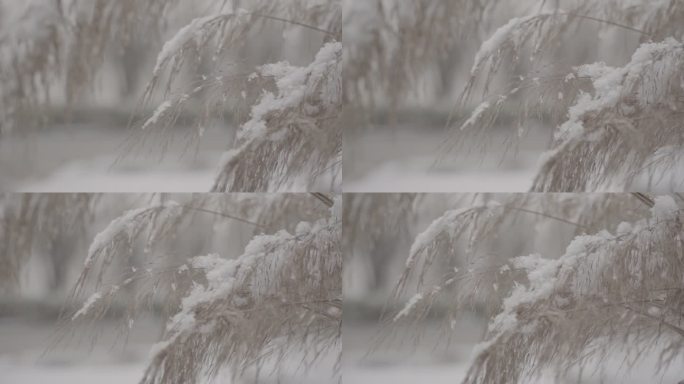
[(294, 84), (611, 84), (194, 30), (127, 224), (409, 306), (87, 305), (444, 224), (223, 276), (475, 116), (511, 31), (665, 208), (158, 114)]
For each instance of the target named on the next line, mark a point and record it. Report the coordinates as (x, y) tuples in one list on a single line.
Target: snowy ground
[(402, 363), (97, 175), (95, 159), (405, 160), (26, 359), (115, 373), (412, 175), (408, 364), (102, 374)]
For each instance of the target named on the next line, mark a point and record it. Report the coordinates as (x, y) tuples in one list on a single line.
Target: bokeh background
[(402, 125), (434, 350), (94, 143), (39, 343)]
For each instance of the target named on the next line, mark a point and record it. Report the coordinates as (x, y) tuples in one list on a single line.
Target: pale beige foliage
[(277, 303), (617, 283), (56, 50)]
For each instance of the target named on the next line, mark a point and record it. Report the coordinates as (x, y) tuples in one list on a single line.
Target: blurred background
[(379, 230), (407, 72), (92, 142), (38, 344)]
